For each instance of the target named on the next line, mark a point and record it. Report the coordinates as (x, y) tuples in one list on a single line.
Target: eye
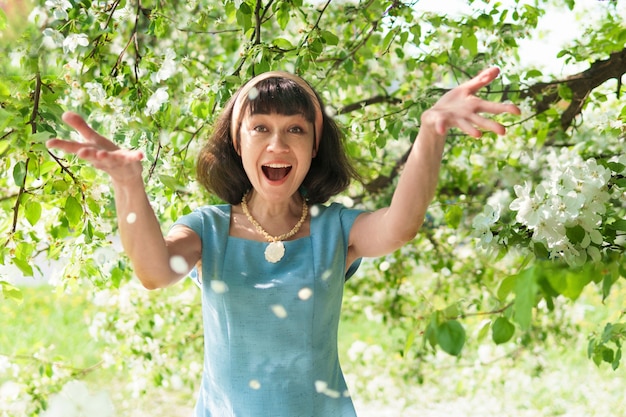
[(259, 128), (296, 129)]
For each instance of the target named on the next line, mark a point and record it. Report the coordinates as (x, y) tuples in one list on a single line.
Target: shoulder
[(214, 217), (335, 215)]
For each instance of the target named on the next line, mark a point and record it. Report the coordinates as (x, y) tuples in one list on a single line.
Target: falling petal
[(253, 93), (179, 264), (131, 218), (326, 275), (384, 266), (279, 311), (321, 386), (314, 210), (103, 255), (219, 287), (305, 293), (254, 384)]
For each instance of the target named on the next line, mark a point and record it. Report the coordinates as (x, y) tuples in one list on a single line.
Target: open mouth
[(276, 172)]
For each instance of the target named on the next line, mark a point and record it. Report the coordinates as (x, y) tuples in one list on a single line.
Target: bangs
[(279, 95)]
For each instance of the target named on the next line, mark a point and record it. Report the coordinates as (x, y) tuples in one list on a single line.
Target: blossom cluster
[(564, 212)]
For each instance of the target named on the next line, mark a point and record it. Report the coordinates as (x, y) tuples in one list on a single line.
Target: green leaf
[(41, 137), (575, 234), (3, 20), (453, 216), (540, 250), (282, 43), (451, 337), (23, 266), (506, 287), (170, 182), (408, 343), (32, 212), (10, 292), (502, 330), (470, 42), (329, 37), (73, 210), (525, 296), (569, 283), (430, 334), (282, 16), (534, 73), (619, 225), (483, 330), (244, 16), (616, 166), (19, 173), (565, 92), (4, 145)]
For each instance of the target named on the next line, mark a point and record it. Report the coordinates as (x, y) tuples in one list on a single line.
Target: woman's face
[(276, 151)]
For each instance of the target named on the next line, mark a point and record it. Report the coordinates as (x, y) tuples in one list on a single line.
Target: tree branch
[(33, 129), (581, 85), (545, 94), (368, 102)]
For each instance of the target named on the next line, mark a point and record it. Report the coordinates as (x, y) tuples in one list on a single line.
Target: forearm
[(417, 184), (141, 235)]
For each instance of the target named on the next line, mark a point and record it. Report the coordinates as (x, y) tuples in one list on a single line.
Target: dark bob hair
[(219, 167)]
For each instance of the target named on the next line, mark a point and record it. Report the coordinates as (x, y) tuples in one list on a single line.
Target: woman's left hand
[(461, 108)]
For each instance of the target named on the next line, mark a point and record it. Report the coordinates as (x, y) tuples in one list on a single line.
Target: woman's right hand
[(121, 164)]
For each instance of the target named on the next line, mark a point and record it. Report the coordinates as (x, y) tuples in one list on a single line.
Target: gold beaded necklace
[(275, 251)]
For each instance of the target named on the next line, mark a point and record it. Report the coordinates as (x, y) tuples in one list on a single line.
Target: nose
[(277, 143)]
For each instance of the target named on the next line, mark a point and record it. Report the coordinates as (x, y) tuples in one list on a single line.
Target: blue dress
[(270, 330)]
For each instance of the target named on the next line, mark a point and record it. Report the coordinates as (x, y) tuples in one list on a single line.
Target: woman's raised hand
[(461, 108), (120, 164)]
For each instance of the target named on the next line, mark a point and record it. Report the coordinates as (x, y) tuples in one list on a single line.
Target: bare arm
[(385, 230), (142, 238)]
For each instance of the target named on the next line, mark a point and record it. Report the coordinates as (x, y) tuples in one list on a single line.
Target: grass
[(46, 319), (556, 380)]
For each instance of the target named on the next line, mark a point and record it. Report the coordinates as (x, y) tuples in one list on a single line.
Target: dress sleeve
[(211, 223), (347, 217)]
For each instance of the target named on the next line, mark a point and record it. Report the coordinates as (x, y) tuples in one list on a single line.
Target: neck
[(276, 221), (264, 209)]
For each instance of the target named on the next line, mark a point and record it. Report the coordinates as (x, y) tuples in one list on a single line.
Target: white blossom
[(528, 207), (73, 41), (168, 67), (16, 58), (75, 400), (59, 8), (96, 93), (155, 101), (52, 38), (483, 223), (38, 15), (573, 194)]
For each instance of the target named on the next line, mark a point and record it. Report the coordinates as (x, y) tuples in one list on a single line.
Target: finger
[(67, 146), (118, 157), (486, 124), (485, 106), (484, 78), (80, 125), (469, 128)]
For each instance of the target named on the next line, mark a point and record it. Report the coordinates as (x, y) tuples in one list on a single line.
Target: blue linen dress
[(270, 330)]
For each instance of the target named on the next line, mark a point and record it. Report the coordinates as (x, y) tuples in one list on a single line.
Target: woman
[(274, 259)]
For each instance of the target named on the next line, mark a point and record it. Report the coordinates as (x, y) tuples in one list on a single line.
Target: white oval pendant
[(274, 252)]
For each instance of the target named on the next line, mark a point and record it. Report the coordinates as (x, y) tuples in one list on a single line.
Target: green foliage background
[(378, 65)]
